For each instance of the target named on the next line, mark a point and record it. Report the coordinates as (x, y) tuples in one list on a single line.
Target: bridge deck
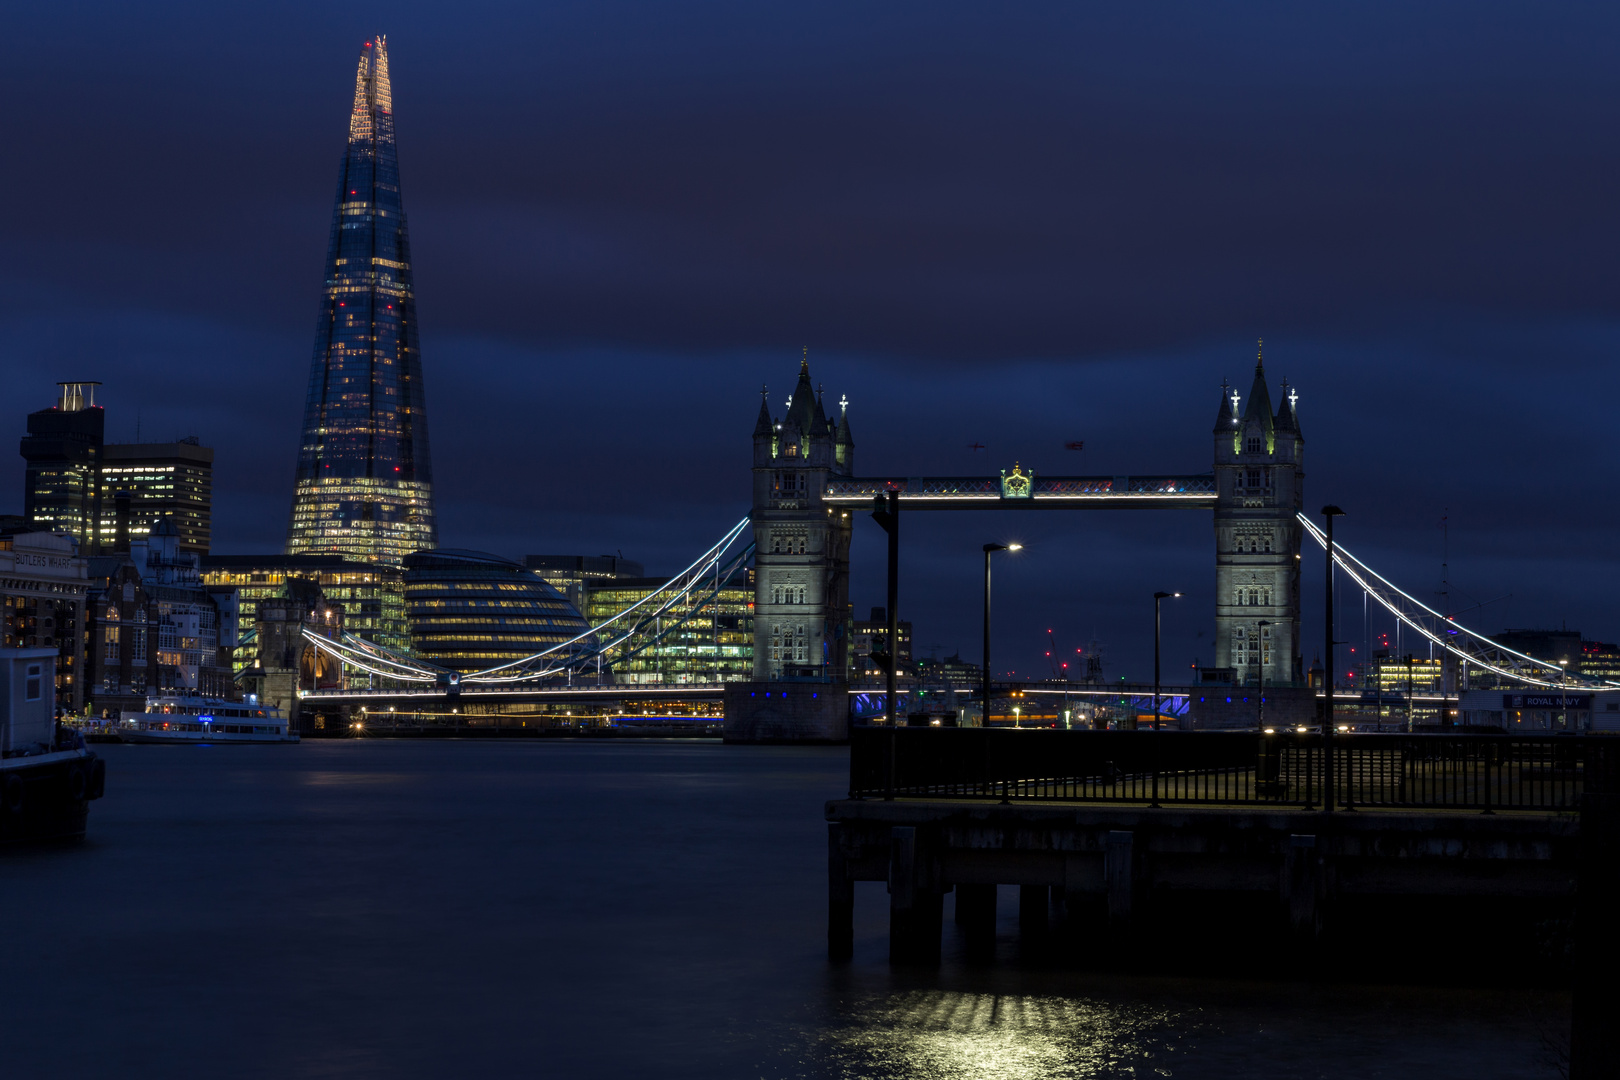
[(982, 492)]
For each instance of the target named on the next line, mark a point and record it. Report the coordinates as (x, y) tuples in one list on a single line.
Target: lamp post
[(1330, 512), (990, 549), (1158, 598), (1563, 694), (1260, 628)]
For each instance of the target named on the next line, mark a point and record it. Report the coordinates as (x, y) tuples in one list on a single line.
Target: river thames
[(595, 909)]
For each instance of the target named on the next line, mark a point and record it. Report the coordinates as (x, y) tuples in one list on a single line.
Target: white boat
[(174, 719)]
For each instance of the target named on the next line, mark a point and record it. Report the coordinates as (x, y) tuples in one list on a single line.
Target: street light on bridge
[(1158, 598), (990, 549)]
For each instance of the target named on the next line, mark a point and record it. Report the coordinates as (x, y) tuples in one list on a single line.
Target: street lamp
[(1330, 512), (1260, 643), (1158, 597), (990, 549), (1563, 692)]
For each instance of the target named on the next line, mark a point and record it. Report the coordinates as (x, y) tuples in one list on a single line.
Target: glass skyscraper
[(365, 480)]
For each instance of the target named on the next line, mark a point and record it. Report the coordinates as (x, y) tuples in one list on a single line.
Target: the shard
[(365, 480)]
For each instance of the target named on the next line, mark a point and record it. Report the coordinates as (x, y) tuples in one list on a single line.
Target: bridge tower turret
[(1260, 486), (801, 554)]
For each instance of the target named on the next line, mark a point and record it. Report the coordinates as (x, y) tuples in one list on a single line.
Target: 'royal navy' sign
[(1546, 701)]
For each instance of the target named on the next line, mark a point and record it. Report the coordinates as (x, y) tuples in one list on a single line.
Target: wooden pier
[(1430, 858), (1106, 878)]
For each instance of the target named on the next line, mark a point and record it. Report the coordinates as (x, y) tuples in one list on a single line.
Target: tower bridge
[(804, 494), (805, 490)]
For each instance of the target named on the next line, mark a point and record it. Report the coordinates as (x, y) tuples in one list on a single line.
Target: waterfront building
[(120, 652), (573, 575), (152, 626), (370, 595), (868, 636), (62, 476), (146, 482), (1260, 483), (364, 485), (704, 645), (43, 584), (470, 610), (801, 546)]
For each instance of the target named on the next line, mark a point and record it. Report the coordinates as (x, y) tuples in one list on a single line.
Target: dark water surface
[(582, 909)]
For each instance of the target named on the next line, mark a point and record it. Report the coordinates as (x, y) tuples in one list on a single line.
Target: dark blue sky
[(1018, 227)]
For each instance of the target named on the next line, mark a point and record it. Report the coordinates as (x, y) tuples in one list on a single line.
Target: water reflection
[(950, 1035)]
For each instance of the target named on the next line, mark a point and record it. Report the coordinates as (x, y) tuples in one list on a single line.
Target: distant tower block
[(1260, 478), (801, 597), (365, 482)]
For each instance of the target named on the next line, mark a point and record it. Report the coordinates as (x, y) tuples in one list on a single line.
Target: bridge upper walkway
[(1019, 488)]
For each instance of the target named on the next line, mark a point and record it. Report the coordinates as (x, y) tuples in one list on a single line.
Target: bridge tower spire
[(1260, 486), (801, 554)]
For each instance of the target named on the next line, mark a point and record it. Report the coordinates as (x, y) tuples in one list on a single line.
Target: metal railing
[(1456, 772)]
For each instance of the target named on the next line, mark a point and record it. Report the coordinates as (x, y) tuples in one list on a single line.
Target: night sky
[(1017, 225)]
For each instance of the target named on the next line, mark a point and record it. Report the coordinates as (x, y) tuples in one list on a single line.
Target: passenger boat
[(174, 719)]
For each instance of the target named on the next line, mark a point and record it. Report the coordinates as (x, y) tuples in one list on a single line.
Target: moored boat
[(177, 719), (47, 777)]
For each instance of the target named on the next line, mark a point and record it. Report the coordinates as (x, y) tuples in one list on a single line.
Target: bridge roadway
[(1174, 698), (699, 692), (1027, 489)]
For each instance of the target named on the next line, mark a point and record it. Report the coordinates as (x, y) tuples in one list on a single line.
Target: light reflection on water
[(949, 1035), (395, 910)]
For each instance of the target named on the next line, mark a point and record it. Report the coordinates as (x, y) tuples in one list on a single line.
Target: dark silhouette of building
[(868, 636), (364, 484)]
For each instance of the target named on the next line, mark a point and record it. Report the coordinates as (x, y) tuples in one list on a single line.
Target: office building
[(364, 485), (62, 477), (146, 482), (469, 610), (1399, 674), (43, 585), (371, 595), (868, 636), (700, 644), (573, 575), (1600, 660)]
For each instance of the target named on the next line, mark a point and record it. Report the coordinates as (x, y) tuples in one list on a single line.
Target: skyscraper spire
[(364, 486)]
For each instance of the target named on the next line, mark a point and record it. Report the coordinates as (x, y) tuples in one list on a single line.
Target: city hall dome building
[(470, 610)]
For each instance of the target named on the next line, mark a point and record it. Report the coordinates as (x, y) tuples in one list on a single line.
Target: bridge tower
[(1260, 486), (801, 554)]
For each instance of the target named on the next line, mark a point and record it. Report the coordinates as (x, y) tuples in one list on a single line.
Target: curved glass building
[(365, 481), (470, 610)]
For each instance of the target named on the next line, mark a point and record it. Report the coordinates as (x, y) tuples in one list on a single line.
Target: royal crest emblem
[(1018, 485)]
